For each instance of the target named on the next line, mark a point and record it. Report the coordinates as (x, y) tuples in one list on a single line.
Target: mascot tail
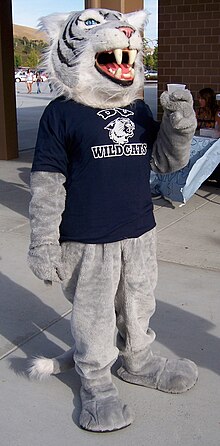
[(41, 367)]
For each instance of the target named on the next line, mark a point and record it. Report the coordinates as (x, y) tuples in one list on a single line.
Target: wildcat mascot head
[(95, 56)]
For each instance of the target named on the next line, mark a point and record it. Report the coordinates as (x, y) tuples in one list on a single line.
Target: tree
[(32, 59), (25, 40), (29, 51), (17, 60), (150, 54), (149, 61), (155, 57)]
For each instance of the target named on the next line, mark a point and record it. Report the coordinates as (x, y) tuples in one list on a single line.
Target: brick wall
[(189, 44)]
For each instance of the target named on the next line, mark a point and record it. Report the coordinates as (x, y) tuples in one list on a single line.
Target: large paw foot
[(104, 414), (167, 375)]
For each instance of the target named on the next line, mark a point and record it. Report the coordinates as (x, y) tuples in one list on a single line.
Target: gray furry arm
[(46, 208), (171, 149)]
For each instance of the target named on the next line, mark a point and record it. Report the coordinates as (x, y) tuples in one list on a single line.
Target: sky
[(27, 13)]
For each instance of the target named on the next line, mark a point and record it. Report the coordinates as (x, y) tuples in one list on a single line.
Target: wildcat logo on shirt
[(120, 130)]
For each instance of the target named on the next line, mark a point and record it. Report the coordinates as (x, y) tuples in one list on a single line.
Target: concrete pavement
[(34, 319)]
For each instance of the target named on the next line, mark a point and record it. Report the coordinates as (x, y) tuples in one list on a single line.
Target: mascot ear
[(138, 19), (51, 24)]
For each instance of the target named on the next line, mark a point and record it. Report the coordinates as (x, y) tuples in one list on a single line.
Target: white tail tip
[(41, 368)]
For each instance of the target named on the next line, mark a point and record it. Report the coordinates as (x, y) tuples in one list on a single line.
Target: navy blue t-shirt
[(105, 157)]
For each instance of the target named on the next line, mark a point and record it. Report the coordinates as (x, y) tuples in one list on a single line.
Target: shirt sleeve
[(50, 151)]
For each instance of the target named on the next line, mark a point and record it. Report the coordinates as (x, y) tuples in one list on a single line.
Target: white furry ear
[(138, 19), (51, 24)]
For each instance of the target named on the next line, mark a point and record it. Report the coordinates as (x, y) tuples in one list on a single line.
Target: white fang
[(118, 56), (132, 56)]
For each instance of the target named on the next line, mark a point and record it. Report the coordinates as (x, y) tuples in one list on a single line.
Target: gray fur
[(127, 270), (110, 285), (102, 409), (46, 262), (46, 208), (70, 61), (172, 146), (63, 362), (167, 375), (98, 272)]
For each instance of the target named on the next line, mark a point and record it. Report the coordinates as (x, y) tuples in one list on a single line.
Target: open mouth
[(118, 65)]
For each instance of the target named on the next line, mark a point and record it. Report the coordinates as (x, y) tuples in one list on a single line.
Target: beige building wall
[(123, 6)]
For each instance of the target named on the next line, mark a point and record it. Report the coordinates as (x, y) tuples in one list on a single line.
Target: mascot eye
[(91, 22)]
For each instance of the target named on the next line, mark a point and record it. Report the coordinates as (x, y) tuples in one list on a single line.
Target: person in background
[(208, 112), (38, 81), (208, 116), (29, 80)]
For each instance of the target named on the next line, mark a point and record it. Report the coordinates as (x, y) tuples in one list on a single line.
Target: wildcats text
[(112, 150)]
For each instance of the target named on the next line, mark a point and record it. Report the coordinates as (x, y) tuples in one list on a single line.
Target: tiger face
[(120, 130), (95, 56)]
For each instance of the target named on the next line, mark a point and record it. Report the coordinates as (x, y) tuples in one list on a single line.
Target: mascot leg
[(93, 285), (135, 304)]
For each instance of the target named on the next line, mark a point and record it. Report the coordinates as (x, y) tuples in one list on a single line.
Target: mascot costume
[(91, 213)]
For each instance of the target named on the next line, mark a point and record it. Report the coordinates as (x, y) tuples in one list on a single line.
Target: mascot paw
[(167, 375), (45, 262), (103, 413), (178, 376), (179, 107)]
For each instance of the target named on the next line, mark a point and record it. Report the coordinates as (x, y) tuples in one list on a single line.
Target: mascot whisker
[(91, 212)]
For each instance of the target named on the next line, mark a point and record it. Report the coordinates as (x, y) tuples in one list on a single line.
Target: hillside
[(29, 44), (20, 31)]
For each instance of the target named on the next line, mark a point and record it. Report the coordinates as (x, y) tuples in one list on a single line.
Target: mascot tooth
[(91, 213)]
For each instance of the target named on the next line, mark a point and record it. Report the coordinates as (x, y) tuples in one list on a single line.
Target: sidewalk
[(34, 320)]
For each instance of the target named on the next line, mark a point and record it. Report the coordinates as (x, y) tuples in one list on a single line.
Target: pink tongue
[(115, 66)]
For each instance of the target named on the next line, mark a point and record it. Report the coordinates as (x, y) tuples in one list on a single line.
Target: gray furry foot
[(167, 375), (103, 412)]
